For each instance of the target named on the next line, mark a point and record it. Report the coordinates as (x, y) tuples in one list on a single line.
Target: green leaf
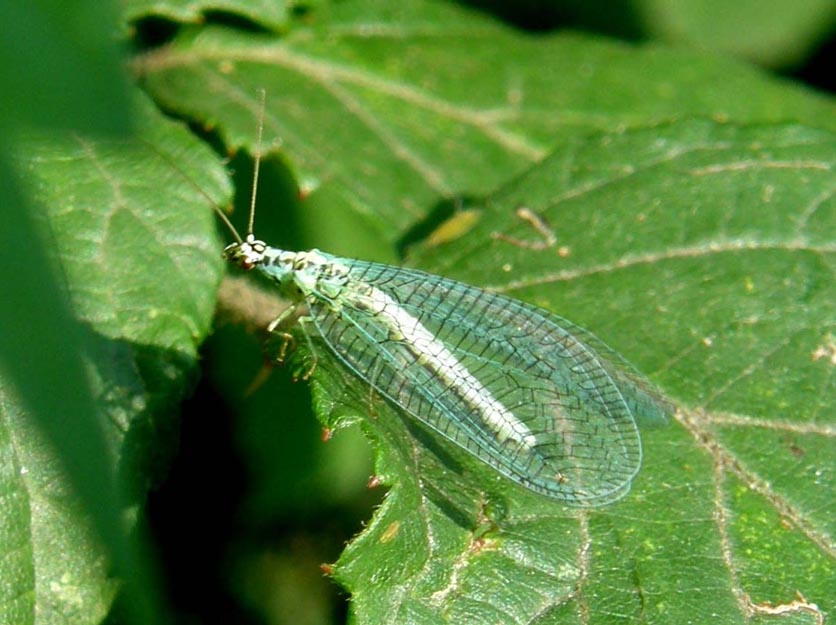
[(694, 247), (679, 205), (384, 118), (117, 228), (52, 561), (137, 251), (671, 209)]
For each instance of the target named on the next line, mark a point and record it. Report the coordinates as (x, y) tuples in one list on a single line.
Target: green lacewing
[(540, 400)]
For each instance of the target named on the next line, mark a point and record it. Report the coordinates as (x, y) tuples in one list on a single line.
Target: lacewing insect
[(541, 400)]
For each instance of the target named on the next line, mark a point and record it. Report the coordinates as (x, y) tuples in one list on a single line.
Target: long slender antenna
[(258, 147), (228, 224)]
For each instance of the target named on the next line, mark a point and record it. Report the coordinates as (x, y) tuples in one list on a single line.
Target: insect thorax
[(305, 274)]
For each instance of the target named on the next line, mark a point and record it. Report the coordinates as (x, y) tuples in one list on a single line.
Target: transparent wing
[(571, 433)]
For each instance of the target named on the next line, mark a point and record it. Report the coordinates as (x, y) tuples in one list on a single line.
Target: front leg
[(288, 342)]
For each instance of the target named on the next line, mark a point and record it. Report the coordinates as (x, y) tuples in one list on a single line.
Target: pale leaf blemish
[(547, 237), (827, 351), (390, 533), (819, 474), (483, 544), (68, 591), (568, 571), (307, 185), (514, 96), (799, 604), (455, 227)]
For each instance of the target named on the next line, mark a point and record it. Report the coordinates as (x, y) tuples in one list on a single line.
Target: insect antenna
[(262, 94), (256, 168)]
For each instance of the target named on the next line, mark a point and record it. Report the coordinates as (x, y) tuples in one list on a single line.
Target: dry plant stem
[(241, 302)]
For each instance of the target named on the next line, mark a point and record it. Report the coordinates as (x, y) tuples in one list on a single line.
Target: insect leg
[(288, 342), (303, 321)]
